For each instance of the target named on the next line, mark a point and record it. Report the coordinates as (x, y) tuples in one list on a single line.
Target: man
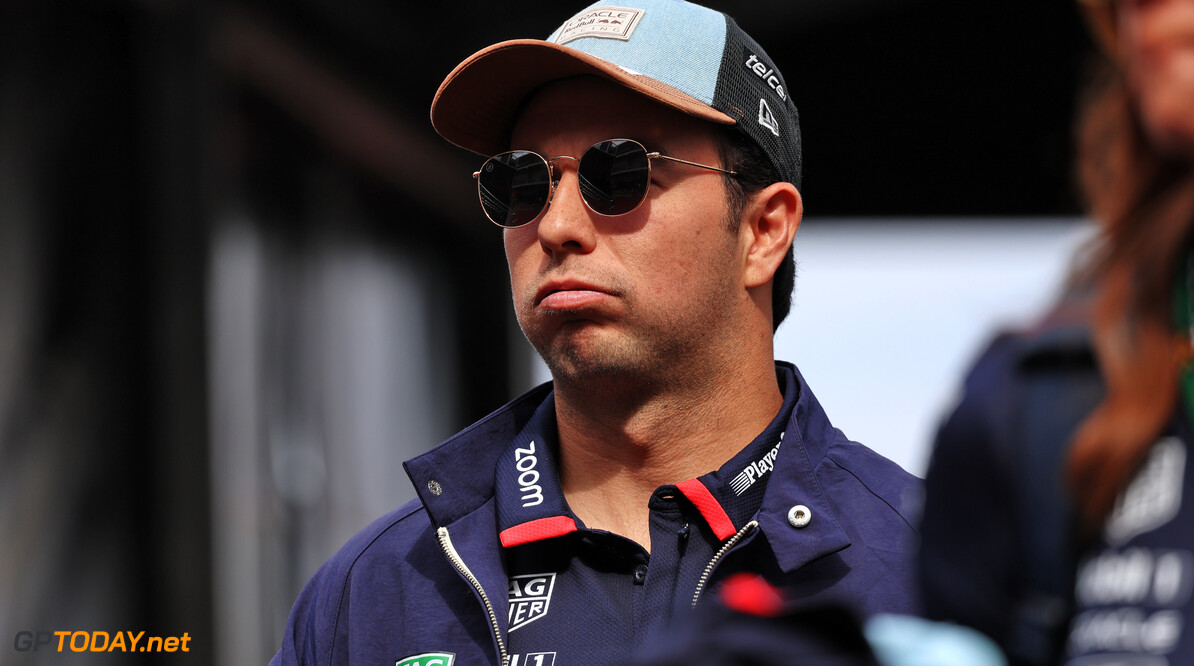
[(645, 163)]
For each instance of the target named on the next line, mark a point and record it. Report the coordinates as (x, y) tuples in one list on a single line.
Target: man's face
[(635, 296), (1157, 44)]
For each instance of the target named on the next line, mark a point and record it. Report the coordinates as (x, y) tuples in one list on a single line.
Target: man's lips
[(569, 295)]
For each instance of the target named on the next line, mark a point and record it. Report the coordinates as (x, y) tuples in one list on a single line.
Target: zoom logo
[(528, 476)]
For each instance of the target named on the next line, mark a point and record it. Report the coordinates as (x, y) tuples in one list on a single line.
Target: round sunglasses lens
[(614, 176), (514, 187)]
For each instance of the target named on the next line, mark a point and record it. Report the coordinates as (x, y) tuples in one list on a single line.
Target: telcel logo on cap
[(605, 22), (755, 64)]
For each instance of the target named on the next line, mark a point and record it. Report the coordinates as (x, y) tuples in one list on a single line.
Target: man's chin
[(590, 361)]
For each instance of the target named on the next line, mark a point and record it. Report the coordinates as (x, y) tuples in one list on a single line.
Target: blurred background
[(241, 280)]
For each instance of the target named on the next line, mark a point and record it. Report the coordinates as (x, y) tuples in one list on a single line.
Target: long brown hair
[(1144, 204)]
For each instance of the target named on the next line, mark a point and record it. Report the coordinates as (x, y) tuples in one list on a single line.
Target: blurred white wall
[(328, 370), (888, 315)]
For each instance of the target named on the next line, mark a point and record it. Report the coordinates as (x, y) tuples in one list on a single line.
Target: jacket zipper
[(725, 548), (445, 542)]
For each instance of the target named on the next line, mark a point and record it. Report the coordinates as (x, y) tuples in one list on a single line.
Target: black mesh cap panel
[(751, 90)]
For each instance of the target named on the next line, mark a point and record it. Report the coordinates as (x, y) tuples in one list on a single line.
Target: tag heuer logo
[(530, 596), (428, 659)]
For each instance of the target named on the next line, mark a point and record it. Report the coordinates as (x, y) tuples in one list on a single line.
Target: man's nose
[(567, 225)]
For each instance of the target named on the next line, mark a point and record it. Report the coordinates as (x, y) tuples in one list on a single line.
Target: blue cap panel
[(688, 60)]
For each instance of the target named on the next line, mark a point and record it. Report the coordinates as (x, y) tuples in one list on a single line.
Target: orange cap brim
[(477, 104)]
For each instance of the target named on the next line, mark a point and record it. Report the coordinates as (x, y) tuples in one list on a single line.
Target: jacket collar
[(457, 477), (807, 439), (528, 494)]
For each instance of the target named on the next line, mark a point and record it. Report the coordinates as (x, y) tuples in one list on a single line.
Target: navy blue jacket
[(429, 577)]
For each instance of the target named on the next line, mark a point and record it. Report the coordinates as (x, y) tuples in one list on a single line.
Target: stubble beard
[(626, 365), (605, 367)]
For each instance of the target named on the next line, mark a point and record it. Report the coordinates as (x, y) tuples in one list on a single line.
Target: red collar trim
[(703, 500), (537, 530)]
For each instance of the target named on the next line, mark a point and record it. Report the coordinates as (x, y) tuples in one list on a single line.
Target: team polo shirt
[(586, 596)]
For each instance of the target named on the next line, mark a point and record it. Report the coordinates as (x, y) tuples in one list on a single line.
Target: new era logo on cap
[(766, 118)]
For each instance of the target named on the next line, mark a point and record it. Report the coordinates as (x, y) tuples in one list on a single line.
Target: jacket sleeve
[(312, 622), (967, 531)]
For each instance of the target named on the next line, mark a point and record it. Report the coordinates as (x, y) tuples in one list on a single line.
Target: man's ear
[(768, 226)]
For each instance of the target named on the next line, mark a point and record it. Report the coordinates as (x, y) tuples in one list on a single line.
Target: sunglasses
[(614, 175)]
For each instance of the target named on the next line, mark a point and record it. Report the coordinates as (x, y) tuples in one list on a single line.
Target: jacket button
[(435, 488), (799, 516)]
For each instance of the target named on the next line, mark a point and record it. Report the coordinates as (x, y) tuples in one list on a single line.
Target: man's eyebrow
[(655, 147)]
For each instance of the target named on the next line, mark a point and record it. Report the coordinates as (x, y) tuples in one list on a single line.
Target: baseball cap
[(691, 58)]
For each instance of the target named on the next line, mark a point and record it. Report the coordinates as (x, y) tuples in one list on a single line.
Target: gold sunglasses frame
[(551, 174)]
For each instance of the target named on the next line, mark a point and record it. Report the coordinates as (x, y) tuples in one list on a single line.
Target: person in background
[(1059, 510)]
